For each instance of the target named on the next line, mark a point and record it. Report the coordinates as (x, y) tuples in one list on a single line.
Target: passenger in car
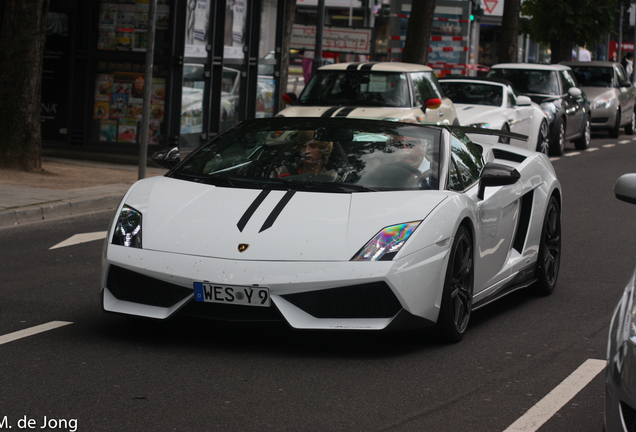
[(313, 156)]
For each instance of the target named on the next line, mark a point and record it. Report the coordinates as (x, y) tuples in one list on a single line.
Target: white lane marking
[(592, 149), (32, 331), (554, 158), (572, 154), (609, 145), (536, 416), (624, 142), (81, 238)]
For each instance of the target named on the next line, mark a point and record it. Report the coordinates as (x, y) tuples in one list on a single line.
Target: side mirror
[(290, 98), (523, 101), (575, 92), (167, 158), (432, 103), (495, 174), (624, 84), (625, 188)]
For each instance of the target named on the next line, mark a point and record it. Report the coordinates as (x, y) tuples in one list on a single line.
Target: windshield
[(318, 155), (473, 93), (528, 81), (588, 76), (341, 87)]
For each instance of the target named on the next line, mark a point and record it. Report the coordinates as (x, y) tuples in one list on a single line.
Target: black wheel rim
[(461, 284), (552, 244), (588, 132), (562, 137), (544, 146)]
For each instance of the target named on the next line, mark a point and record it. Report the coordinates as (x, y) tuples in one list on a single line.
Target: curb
[(58, 209)]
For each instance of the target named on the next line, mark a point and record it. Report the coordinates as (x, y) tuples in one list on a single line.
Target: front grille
[(373, 300), (600, 119), (129, 286), (629, 417), (233, 313)]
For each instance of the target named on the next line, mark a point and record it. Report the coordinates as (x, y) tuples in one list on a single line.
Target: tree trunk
[(418, 32), (561, 50), (290, 12), (509, 32), (22, 39)]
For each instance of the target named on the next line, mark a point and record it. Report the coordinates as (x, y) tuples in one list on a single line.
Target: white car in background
[(389, 91), (492, 103)]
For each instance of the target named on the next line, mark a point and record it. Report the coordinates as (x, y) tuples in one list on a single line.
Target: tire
[(543, 145), (549, 259), (557, 146), (631, 126), (457, 297), (584, 142), (504, 140), (615, 131)]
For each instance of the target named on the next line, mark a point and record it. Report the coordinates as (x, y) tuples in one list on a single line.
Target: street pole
[(320, 23), (619, 49), (145, 114)]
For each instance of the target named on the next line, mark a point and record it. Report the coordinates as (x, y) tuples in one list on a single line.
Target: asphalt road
[(89, 371)]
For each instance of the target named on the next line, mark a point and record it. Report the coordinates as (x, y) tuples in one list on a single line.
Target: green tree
[(22, 39), (564, 24), (418, 32)]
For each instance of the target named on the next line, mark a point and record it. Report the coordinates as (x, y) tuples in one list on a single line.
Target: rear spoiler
[(495, 132)]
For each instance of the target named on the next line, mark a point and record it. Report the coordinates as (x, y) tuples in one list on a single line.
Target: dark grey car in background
[(555, 88), (610, 93)]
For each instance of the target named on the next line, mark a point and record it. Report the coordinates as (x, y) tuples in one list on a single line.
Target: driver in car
[(313, 157)]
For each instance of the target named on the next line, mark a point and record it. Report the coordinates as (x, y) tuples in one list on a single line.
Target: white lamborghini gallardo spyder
[(335, 224)]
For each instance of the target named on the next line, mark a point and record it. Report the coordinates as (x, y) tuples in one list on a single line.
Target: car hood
[(350, 112), (183, 217), (593, 93), (470, 114)]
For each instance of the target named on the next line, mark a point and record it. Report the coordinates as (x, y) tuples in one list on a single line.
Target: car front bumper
[(603, 118), (356, 295)]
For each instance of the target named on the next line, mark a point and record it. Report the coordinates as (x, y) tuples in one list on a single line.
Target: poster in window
[(141, 16), (124, 38), (158, 90), (107, 15), (107, 38), (197, 23), (101, 108), (135, 107), (163, 17), (104, 84), (153, 131), (108, 130), (126, 16), (118, 106), (127, 130)]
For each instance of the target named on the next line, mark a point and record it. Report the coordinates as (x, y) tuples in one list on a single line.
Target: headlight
[(386, 243), (128, 228), (602, 103), (549, 109), (481, 125)]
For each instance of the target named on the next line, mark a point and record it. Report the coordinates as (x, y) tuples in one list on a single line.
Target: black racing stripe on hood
[(330, 112), (345, 111), (353, 66), (251, 209), (368, 66), (277, 210)]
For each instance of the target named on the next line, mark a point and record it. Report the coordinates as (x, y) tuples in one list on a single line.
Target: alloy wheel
[(461, 284), (551, 244), (543, 146)]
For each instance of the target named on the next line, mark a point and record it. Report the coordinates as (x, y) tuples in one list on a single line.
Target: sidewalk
[(66, 187)]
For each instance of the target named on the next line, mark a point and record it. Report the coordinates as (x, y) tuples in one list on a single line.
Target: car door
[(520, 117), (625, 94), (497, 214), (574, 105)]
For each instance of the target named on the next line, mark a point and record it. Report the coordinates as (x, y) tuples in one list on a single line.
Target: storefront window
[(266, 84), (235, 15), (119, 103), (123, 25), (192, 94)]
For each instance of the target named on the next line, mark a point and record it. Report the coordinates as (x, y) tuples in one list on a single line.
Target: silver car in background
[(610, 93), (620, 373)]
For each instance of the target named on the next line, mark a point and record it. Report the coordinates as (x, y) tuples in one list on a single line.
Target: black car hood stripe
[(330, 112), (368, 66), (251, 209), (353, 66), (345, 111), (277, 210)]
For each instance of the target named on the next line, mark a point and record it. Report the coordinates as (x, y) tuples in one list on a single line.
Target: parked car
[(555, 89), (389, 234), (620, 373), (392, 91), (493, 103), (610, 93)]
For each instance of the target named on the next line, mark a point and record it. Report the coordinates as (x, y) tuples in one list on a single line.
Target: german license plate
[(240, 295)]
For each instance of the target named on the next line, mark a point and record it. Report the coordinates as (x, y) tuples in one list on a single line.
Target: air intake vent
[(509, 156), (129, 286), (374, 300)]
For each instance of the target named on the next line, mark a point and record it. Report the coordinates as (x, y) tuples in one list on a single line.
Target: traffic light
[(385, 10)]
